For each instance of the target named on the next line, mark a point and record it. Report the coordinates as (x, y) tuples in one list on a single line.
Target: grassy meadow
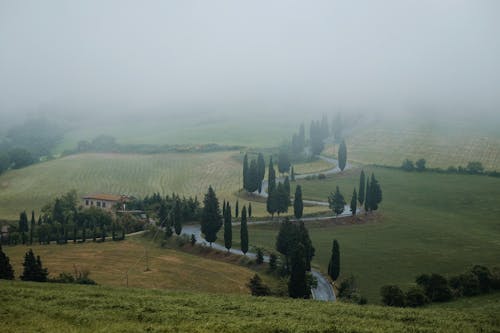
[(34, 307), (139, 175), (427, 223), (168, 268)]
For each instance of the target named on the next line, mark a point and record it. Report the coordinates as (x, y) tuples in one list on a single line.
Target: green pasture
[(427, 223)]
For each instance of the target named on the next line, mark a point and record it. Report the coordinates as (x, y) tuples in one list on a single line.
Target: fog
[(280, 56)]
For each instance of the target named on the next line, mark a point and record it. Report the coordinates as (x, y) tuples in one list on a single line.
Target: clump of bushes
[(348, 291), (257, 287), (81, 276), (436, 288)]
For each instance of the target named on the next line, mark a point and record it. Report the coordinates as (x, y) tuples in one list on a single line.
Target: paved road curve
[(323, 292)]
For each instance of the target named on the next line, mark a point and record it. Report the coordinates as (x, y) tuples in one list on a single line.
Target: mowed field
[(139, 175), (168, 268), (427, 223), (442, 142), (35, 307)]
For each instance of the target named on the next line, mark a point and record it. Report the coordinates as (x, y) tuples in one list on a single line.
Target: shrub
[(260, 257), (321, 176), (407, 165), (182, 240), (474, 167), (348, 289), (416, 297), (257, 287), (273, 262), (392, 295), (484, 277), (466, 284), (435, 286), (193, 239)]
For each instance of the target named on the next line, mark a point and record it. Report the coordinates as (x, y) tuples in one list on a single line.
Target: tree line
[(436, 288)]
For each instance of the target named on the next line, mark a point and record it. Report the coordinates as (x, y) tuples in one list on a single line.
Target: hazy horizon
[(114, 57)]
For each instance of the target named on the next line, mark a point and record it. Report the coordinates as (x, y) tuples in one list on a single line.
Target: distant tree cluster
[(253, 173), (28, 143), (278, 196), (472, 168), (436, 288)]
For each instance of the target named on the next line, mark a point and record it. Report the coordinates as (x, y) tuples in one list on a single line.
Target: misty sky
[(164, 55)]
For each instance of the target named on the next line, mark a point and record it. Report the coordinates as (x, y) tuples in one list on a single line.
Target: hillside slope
[(30, 307)]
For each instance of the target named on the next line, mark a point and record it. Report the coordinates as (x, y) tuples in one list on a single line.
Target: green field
[(427, 223), (168, 268), (139, 175), (35, 307), (443, 142)]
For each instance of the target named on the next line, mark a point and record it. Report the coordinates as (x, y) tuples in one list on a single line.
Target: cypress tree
[(342, 155), (244, 231), (224, 208), (304, 239), (280, 199), (361, 194), (32, 226), (367, 197), (271, 177), (6, 271), (23, 226), (211, 220), (252, 177), (354, 202), (334, 264), (298, 204), (245, 172), (297, 285), (33, 269), (286, 187), (292, 175), (163, 214), (375, 194), (249, 210), (337, 202), (302, 137), (271, 203), (283, 162), (228, 230), (177, 217), (236, 209), (261, 167), (75, 232)]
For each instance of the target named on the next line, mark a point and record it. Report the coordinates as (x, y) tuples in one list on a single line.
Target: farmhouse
[(104, 201)]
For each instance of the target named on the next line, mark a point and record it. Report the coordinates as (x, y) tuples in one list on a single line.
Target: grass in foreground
[(427, 223), (34, 307)]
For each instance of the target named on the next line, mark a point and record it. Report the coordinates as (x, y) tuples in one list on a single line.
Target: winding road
[(324, 290)]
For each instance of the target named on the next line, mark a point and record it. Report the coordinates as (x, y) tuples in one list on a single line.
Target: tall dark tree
[(236, 210), (283, 162), (211, 220), (163, 214), (271, 177), (304, 239), (286, 187), (271, 203), (342, 155), (292, 175), (316, 139), (336, 202), (244, 231), (177, 216), (32, 226), (33, 269), (249, 210), (281, 199), (334, 264), (375, 197), (361, 194), (298, 204), (252, 177), (354, 202), (261, 167), (245, 171), (6, 271), (297, 285), (228, 230), (367, 197), (23, 226)]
